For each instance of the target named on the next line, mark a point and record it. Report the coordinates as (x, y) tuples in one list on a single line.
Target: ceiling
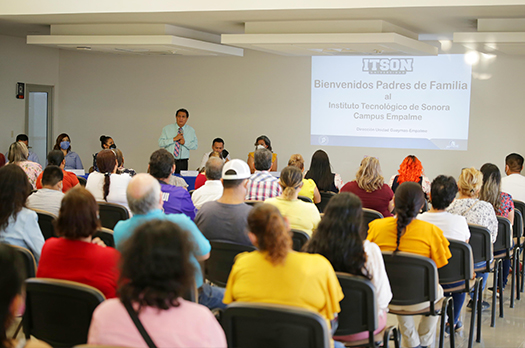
[(429, 23)]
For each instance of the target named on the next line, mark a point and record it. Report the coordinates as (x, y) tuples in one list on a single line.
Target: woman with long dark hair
[(18, 225), (106, 184), (321, 172), (339, 238), (155, 273), (274, 273), (406, 233), (106, 143), (63, 143)]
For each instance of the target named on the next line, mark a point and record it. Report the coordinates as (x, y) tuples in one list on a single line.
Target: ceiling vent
[(495, 35), (329, 38), (136, 39)]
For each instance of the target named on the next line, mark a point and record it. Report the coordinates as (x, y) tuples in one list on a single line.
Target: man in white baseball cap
[(226, 219)]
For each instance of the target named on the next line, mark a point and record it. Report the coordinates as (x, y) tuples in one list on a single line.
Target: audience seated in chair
[(321, 173), (176, 200), (12, 296), (474, 210), (406, 233), (145, 201), (156, 272), (369, 186), (212, 188), (340, 238), (309, 188), (49, 197), (106, 184), (262, 185), (56, 158), (276, 274), (18, 225), (411, 169), (76, 255), (226, 219), (17, 155), (262, 142), (442, 193), (514, 182), (301, 215)]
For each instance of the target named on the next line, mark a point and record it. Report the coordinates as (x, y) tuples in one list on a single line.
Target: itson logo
[(388, 66)]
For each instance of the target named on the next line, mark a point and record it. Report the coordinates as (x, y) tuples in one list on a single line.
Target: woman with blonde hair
[(369, 186), (474, 210), (309, 188), (274, 273), (17, 154), (410, 169), (301, 215)]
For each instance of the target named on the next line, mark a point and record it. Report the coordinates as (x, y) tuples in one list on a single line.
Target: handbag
[(139, 325)]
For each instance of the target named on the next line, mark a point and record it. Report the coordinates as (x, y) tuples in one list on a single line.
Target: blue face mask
[(65, 145)]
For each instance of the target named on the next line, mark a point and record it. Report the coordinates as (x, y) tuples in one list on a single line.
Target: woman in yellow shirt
[(406, 233), (276, 274), (309, 188), (262, 142), (301, 215)]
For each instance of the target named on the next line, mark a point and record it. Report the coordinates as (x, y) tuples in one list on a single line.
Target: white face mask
[(259, 147)]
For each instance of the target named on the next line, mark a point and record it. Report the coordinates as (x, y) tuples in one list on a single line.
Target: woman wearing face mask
[(72, 159), (262, 142), (107, 143)]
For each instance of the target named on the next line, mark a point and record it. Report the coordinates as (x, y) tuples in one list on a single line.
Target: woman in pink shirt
[(155, 272)]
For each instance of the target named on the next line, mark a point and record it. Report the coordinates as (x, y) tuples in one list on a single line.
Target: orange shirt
[(420, 238), (70, 180)]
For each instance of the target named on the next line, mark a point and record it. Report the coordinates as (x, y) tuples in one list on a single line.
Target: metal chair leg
[(522, 285), (518, 273), (451, 323), (513, 280), (495, 281), (479, 304), (500, 286), (444, 308), (473, 314)]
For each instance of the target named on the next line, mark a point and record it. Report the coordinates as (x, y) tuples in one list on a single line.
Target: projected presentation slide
[(391, 102)]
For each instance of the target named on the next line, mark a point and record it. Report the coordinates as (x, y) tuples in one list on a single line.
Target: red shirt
[(377, 200), (80, 262), (70, 180), (200, 180)]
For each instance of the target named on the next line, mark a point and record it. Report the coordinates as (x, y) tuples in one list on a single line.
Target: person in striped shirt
[(262, 184)]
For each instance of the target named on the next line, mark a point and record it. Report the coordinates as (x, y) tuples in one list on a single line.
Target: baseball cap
[(235, 169)]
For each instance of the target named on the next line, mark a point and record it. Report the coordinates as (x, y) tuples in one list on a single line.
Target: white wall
[(132, 97), (22, 63)]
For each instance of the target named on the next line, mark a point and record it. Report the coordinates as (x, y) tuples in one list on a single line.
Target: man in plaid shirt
[(262, 184)]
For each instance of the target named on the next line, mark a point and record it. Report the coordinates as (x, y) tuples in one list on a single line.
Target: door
[(39, 120)]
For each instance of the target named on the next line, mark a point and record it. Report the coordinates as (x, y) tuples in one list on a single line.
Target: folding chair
[(111, 213), (299, 239), (222, 256), (46, 222)]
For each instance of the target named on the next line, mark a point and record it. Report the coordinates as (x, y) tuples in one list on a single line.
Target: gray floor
[(508, 332)]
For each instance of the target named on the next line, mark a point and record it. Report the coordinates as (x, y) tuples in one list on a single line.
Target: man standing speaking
[(179, 139)]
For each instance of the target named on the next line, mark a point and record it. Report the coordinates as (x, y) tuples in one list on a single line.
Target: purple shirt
[(176, 200)]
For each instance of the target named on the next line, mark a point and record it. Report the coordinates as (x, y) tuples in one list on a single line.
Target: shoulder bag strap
[(138, 324)]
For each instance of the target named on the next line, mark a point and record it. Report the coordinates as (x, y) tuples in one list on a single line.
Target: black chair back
[(519, 205), (517, 227), (358, 307), (257, 325), (105, 235), (46, 222), (29, 261), (111, 213), (305, 199), (460, 266), (325, 197), (299, 238), (481, 245), (413, 278), (221, 260), (370, 215), (59, 312), (504, 238)]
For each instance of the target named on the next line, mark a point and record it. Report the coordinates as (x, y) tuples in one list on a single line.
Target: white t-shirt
[(206, 157), (453, 226), (514, 185), (118, 183), (45, 199), (210, 191), (376, 266)]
